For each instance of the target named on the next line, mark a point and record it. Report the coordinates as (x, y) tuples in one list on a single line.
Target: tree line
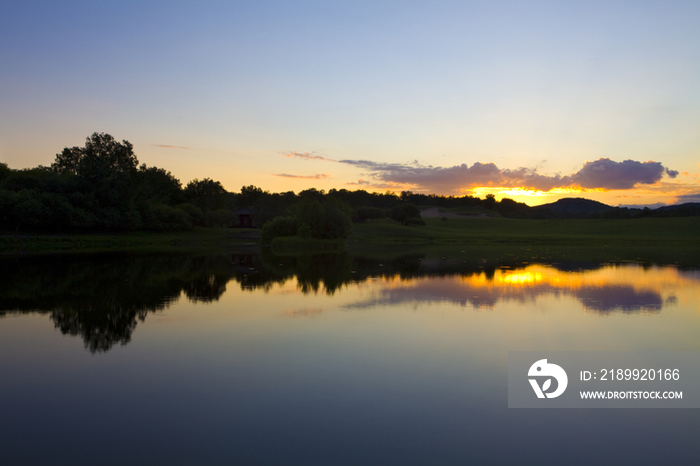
[(101, 187)]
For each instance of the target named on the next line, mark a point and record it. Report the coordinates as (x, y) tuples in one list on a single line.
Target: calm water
[(331, 360)]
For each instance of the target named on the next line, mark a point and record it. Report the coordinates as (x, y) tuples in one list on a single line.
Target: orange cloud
[(379, 186), (601, 174), (306, 156)]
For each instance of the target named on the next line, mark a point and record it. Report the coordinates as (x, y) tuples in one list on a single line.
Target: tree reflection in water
[(101, 298)]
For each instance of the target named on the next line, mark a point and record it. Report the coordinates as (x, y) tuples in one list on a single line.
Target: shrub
[(405, 211), (304, 231), (278, 226), (195, 214), (162, 217), (362, 214)]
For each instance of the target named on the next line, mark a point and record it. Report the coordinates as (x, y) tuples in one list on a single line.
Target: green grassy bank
[(504, 230), (681, 235), (199, 239), (295, 245), (672, 241)]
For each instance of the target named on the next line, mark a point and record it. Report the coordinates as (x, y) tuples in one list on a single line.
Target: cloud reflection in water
[(598, 290)]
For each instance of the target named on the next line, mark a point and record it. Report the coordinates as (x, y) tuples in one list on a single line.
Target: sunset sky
[(524, 99)]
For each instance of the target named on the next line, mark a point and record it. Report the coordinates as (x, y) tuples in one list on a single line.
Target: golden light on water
[(521, 278), (657, 279), (609, 284)]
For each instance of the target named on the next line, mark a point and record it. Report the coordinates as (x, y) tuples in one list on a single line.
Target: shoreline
[(651, 234)]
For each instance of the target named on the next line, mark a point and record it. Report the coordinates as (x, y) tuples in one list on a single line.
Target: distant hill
[(587, 208), (574, 207), (689, 209), (686, 206)]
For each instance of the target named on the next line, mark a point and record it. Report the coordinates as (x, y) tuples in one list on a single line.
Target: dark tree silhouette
[(250, 195), (406, 214), (158, 185), (102, 157), (490, 202), (206, 194)]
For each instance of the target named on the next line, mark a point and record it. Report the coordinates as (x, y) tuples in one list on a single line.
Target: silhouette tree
[(206, 194), (5, 171), (158, 185), (406, 214), (250, 194), (102, 158), (490, 202), (107, 170)]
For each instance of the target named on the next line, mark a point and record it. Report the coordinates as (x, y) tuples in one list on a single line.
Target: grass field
[(199, 239), (660, 241), (296, 245), (653, 240), (504, 230)]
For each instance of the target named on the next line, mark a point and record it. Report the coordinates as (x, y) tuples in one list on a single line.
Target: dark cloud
[(682, 199), (599, 174), (602, 173), (608, 174), (672, 173), (305, 177), (375, 185), (435, 179), (529, 178)]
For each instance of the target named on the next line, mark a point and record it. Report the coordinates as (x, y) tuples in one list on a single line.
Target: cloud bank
[(603, 173), (599, 174), (607, 174), (682, 199)]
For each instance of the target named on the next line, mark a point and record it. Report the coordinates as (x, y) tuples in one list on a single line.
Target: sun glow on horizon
[(528, 195)]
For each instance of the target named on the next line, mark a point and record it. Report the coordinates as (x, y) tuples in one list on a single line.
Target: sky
[(532, 100)]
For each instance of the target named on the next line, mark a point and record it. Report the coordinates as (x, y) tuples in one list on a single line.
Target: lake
[(256, 359)]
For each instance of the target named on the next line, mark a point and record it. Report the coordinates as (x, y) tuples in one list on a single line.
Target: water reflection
[(102, 299), (601, 289)]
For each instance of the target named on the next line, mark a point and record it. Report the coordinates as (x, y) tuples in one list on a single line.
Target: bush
[(195, 214), (362, 214), (162, 217), (304, 231), (310, 212), (278, 226), (406, 214), (334, 222), (219, 218), (30, 212)]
